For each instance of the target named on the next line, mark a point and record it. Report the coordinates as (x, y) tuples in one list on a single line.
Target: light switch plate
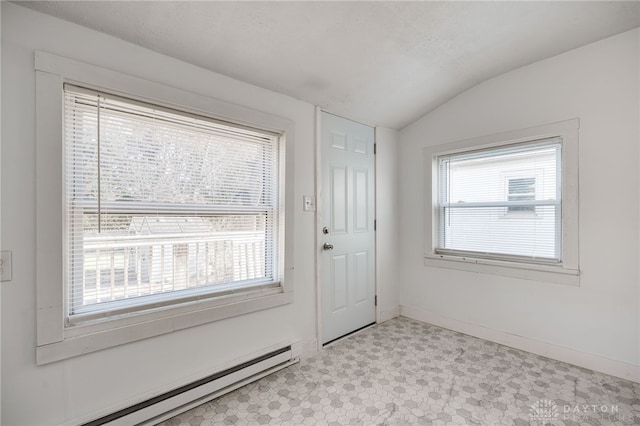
[(5, 266), (309, 203)]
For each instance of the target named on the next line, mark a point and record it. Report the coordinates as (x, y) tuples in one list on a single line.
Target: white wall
[(598, 84), (0, 206), (87, 384), (388, 227)]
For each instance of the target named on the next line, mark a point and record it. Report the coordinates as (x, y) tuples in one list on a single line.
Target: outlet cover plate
[(308, 203)]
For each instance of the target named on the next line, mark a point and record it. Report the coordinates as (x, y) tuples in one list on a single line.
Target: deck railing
[(131, 266)]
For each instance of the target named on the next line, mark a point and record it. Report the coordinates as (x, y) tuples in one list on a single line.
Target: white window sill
[(88, 338), (527, 271)]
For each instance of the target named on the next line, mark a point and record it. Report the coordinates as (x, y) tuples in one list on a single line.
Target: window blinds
[(163, 206), (501, 202)]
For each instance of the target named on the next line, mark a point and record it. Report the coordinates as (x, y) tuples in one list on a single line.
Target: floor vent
[(172, 403)]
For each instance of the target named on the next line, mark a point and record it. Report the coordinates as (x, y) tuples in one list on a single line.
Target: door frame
[(319, 222)]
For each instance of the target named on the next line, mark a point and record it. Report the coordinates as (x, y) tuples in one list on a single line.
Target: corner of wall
[(388, 224), (304, 348), (388, 314)]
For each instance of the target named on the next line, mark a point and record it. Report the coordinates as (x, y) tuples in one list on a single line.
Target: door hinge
[(374, 148), (375, 225), (375, 300)]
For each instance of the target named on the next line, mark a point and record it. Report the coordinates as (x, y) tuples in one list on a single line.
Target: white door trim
[(316, 235)]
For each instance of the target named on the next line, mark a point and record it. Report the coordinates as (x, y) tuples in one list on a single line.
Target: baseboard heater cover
[(181, 399)]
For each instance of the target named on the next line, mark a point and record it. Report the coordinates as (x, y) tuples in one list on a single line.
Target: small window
[(163, 207), (471, 203), (521, 189)]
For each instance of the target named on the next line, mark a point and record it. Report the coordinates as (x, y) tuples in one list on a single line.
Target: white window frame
[(566, 272), (57, 340)]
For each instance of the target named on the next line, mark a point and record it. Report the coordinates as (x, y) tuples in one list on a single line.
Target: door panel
[(348, 262), (361, 204), (361, 278), (338, 204), (338, 141), (360, 146), (339, 282)]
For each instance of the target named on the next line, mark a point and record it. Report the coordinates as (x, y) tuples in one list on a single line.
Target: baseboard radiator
[(172, 403)]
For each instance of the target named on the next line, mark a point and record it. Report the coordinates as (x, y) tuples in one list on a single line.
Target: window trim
[(565, 273), (55, 341)]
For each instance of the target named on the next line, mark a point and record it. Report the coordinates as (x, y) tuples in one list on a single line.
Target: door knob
[(327, 246)]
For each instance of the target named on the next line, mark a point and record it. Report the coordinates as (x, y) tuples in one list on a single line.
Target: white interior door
[(348, 236)]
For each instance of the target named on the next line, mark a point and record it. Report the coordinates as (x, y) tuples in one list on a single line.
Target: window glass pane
[(502, 201), (163, 206)]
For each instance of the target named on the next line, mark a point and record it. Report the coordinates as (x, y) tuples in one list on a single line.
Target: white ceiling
[(382, 63)]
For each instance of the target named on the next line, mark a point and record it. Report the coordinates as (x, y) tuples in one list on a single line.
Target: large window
[(163, 206), (158, 209), (506, 204), (476, 216)]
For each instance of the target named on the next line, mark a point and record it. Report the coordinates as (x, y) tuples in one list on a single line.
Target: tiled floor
[(405, 372)]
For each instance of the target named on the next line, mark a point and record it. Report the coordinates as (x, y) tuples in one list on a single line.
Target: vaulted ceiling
[(382, 63)]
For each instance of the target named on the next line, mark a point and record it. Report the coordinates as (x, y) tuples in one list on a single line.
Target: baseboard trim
[(386, 315), (560, 353), (295, 348)]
